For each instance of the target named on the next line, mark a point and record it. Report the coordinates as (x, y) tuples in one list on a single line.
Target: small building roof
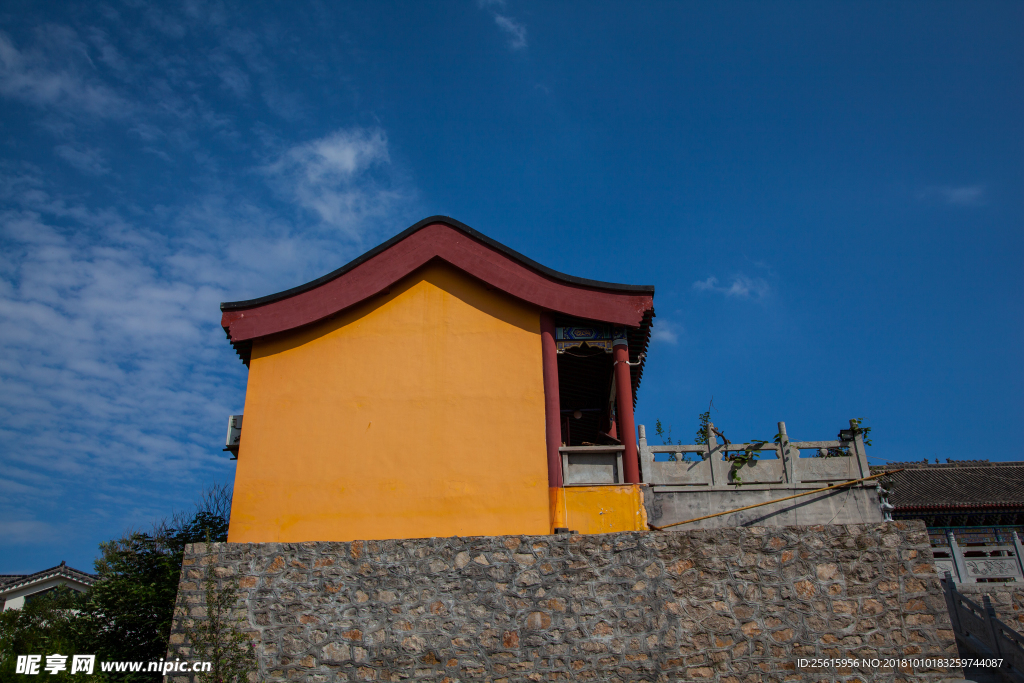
[(448, 240), (955, 485), (11, 582)]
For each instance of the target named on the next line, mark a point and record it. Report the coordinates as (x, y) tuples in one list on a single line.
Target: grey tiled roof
[(11, 581), (958, 484)]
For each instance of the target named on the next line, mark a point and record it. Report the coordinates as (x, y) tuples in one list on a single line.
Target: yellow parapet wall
[(419, 413), (599, 509)]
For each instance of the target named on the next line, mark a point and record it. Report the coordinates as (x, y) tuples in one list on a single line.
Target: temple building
[(429, 388), (974, 511)]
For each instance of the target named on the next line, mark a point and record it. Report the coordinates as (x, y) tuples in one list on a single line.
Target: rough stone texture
[(726, 605)]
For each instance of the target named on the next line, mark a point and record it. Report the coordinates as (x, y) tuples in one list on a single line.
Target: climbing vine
[(665, 434), (858, 430)]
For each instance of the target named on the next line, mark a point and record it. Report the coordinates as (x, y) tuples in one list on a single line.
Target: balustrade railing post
[(646, 458), (1018, 550), (859, 450), (992, 622), (719, 474), (952, 604), (958, 559), (789, 454)]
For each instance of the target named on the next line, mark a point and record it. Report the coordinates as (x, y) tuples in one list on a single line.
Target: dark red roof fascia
[(450, 241)]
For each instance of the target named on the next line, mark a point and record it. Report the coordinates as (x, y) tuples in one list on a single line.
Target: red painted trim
[(435, 241), (552, 400), (624, 408)]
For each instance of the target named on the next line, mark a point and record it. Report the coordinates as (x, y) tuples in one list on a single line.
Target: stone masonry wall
[(726, 605)]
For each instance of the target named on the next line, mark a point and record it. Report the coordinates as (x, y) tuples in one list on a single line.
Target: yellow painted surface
[(600, 509), (419, 413)]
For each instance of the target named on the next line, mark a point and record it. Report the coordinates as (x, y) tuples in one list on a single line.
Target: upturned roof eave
[(453, 223), (447, 240)]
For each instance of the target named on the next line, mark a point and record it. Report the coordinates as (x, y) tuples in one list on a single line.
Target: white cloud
[(955, 195), (964, 196), (87, 160), (115, 376), (741, 287), (27, 531), (56, 76), (514, 30), (343, 178), (665, 331)]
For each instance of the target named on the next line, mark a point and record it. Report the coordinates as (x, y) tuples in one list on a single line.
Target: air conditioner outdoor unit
[(234, 435)]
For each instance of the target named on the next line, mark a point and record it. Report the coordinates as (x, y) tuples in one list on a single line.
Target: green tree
[(131, 605), (665, 434), (702, 428), (126, 615), (46, 625)]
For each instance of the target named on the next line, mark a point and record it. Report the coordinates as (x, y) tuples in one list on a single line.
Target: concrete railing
[(978, 628), (708, 468), (588, 465), (700, 480), (998, 561)]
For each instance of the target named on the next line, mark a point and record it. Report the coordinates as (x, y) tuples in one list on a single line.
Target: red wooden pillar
[(552, 402), (624, 408)]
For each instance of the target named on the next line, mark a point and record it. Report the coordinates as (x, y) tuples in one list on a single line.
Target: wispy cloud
[(56, 73), (343, 178), (955, 195), (114, 372), (87, 160), (514, 31), (115, 378), (27, 531), (741, 287), (666, 331)]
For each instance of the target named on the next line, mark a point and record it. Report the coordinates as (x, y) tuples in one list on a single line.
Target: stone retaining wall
[(731, 606)]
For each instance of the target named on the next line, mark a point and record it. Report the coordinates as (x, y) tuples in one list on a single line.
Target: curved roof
[(453, 242), (444, 220)]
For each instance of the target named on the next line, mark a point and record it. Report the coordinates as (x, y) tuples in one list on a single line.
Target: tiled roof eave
[(958, 506), (63, 572)]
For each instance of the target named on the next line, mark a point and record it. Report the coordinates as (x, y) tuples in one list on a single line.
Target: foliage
[(218, 638), (665, 435), (862, 431), (45, 625), (131, 605), (858, 430), (702, 430), (666, 438), (126, 614), (744, 457)]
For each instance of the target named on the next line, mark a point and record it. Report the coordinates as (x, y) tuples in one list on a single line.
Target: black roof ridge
[(452, 223)]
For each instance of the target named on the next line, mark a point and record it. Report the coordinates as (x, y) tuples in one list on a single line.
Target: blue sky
[(827, 196)]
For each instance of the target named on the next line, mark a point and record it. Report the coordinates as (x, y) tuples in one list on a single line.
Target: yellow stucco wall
[(600, 509), (419, 413)]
